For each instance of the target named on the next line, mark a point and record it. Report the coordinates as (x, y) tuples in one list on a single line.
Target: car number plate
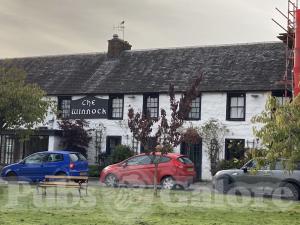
[(190, 169)]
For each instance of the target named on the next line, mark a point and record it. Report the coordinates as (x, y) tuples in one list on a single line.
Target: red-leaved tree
[(75, 136), (168, 133)]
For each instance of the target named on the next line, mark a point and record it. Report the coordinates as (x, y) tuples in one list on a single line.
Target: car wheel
[(111, 180), (168, 183), (290, 191), (11, 177), (223, 185)]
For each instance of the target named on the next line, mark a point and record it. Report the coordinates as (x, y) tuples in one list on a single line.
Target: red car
[(173, 170)]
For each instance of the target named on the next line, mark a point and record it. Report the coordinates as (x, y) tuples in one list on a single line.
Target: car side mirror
[(124, 164), (245, 169)]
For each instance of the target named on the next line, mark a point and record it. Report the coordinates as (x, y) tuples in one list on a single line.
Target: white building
[(236, 82)]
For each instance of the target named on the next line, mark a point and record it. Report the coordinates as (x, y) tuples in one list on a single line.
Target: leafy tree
[(168, 133), (278, 129), (75, 136), (120, 153), (22, 105), (213, 133), (140, 126)]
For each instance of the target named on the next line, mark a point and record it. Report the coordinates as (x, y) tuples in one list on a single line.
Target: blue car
[(35, 167)]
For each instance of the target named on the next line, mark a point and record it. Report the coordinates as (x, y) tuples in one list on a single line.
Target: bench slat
[(60, 183), (67, 177), (59, 186)]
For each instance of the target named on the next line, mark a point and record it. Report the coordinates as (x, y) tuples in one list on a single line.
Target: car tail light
[(72, 166), (178, 164)]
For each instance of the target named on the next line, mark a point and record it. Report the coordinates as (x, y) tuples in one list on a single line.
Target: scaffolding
[(288, 37)]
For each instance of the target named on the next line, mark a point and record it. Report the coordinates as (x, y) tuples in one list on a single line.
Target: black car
[(264, 181)]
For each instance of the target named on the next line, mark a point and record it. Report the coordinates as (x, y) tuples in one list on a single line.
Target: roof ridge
[(206, 46), (54, 55), (143, 50)]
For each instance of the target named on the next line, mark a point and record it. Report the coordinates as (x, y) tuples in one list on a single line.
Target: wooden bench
[(79, 182)]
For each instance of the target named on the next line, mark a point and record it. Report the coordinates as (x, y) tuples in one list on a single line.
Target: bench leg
[(44, 191), (79, 190)]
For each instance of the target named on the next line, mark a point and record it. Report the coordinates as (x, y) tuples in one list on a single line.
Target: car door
[(262, 181), (137, 170), (247, 176), (258, 180), (32, 167), (147, 169), (275, 175), (52, 163)]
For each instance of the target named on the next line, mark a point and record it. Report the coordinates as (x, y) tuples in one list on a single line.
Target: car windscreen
[(184, 160), (250, 164)]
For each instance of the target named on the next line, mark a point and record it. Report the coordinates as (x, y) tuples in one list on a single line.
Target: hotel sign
[(89, 108)]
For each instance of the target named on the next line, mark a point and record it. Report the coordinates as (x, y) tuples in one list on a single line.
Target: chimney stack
[(116, 46)]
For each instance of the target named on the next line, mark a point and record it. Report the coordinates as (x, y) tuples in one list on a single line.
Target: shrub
[(95, 170), (121, 153), (213, 133)]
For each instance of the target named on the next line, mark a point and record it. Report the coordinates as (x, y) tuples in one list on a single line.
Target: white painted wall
[(213, 105), (54, 143)]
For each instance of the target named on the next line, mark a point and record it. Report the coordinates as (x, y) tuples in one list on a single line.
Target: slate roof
[(248, 67)]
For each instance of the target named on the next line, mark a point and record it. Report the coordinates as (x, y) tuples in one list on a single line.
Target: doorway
[(111, 143), (194, 152)]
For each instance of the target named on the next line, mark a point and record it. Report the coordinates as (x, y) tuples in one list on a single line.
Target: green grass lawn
[(23, 205)]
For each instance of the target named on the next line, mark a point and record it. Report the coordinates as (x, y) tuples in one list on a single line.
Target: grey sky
[(47, 27)]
